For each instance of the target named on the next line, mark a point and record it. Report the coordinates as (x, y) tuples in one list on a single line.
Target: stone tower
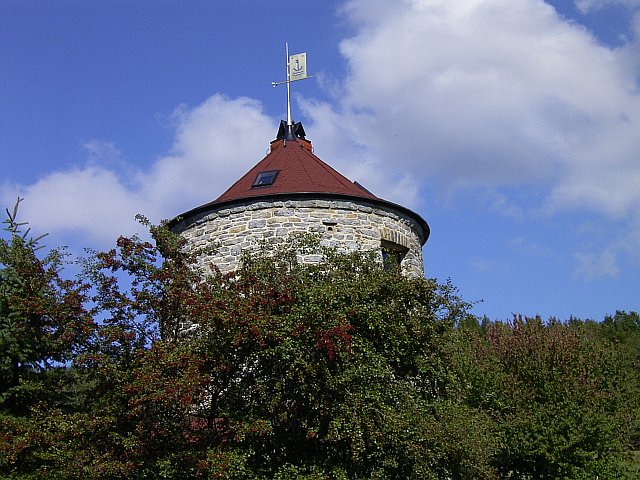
[(292, 190)]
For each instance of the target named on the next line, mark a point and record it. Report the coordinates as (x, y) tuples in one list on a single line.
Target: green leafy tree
[(281, 370), (622, 332), (557, 394)]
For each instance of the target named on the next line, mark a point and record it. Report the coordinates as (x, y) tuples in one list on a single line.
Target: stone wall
[(349, 224)]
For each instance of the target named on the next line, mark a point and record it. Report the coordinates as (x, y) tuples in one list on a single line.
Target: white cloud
[(592, 266), (90, 200), (629, 243), (215, 143), (500, 204), (343, 144), (614, 192), (101, 151), (487, 95), (586, 6)]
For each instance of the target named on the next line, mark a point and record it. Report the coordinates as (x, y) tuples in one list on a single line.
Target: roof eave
[(426, 231)]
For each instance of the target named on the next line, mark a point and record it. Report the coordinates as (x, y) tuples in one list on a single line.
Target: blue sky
[(511, 126)]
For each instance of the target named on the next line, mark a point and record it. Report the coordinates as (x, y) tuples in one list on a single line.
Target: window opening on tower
[(392, 254)]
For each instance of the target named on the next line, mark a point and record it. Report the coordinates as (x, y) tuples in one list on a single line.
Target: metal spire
[(289, 121)]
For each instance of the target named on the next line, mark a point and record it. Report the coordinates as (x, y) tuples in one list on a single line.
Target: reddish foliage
[(335, 339)]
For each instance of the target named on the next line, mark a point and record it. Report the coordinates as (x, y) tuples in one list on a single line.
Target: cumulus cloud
[(496, 92), (215, 143), (90, 200), (488, 95), (614, 192)]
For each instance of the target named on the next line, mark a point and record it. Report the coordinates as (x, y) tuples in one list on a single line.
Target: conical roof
[(291, 167), (292, 170)]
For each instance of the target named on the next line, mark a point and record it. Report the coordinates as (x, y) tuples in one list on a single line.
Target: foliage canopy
[(150, 366)]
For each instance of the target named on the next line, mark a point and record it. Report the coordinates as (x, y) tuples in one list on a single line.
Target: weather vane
[(296, 70)]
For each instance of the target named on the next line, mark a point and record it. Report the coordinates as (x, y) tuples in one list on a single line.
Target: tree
[(281, 370), (557, 394), (622, 332), (43, 322), (341, 369), (43, 327)]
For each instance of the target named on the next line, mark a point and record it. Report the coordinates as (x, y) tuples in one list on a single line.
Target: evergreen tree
[(43, 322)]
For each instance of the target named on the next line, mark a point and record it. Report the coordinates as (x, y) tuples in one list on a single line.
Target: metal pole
[(289, 121)]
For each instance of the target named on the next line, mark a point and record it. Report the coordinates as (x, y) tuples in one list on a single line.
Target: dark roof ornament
[(290, 132)]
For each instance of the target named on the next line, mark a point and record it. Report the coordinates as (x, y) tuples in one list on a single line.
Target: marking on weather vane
[(298, 66)]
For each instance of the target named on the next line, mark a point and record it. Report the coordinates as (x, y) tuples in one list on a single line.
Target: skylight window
[(264, 179)]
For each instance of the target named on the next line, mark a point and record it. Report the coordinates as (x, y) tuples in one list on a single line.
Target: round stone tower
[(291, 190)]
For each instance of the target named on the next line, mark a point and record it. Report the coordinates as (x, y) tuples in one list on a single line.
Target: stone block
[(284, 213), (257, 223)]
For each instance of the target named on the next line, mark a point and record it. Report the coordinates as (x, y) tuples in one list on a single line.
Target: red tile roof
[(299, 171)]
